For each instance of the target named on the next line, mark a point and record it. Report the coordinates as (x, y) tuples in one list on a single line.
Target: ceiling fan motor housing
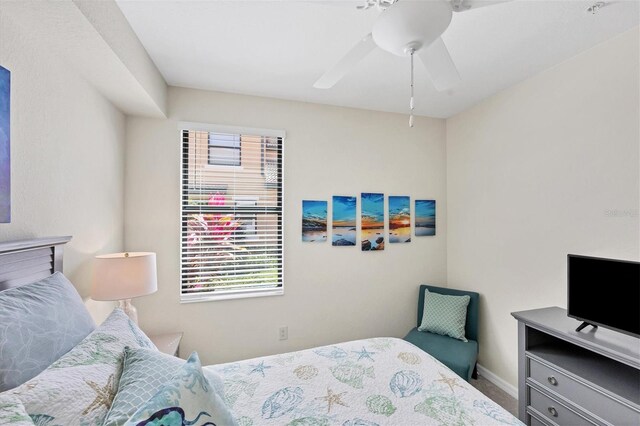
[(410, 25)]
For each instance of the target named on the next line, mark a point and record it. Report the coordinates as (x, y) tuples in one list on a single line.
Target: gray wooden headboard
[(26, 261)]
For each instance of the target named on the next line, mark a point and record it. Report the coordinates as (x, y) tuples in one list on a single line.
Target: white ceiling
[(280, 48)]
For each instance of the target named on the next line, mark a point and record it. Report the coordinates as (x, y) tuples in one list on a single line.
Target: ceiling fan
[(405, 28)]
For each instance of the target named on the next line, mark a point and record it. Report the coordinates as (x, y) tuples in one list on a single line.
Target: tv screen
[(604, 292)]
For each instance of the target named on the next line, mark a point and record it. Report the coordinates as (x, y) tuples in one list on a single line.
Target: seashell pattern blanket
[(381, 381)]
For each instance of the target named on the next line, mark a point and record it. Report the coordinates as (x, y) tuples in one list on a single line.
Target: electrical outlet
[(284, 333)]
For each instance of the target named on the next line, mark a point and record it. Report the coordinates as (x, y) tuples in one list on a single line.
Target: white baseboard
[(499, 382)]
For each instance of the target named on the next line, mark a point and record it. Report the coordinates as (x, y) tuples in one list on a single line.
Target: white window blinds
[(224, 149), (231, 212)]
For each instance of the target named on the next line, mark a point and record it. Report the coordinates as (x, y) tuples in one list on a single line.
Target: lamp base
[(129, 309)]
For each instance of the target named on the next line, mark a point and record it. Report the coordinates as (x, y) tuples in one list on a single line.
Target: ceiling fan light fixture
[(406, 28), (410, 22), (411, 47)]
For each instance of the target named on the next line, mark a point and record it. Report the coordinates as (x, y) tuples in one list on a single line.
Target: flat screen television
[(604, 292)]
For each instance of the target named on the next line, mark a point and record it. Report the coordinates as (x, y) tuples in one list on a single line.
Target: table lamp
[(123, 276)]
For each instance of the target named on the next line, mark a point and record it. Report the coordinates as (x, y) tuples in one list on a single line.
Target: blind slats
[(222, 282), (230, 241), (239, 259), (236, 288), (231, 213), (213, 273)]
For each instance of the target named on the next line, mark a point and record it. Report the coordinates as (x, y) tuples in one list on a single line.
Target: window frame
[(215, 128)]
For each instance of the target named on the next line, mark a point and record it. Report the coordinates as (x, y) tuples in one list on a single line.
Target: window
[(248, 227), (224, 149), (270, 161), (231, 217)]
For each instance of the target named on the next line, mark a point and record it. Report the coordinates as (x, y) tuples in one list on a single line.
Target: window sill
[(231, 295)]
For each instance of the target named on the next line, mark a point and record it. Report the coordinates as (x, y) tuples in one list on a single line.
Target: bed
[(379, 381)]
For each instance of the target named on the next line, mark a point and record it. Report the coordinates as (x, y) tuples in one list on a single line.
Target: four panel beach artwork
[(314, 221), (372, 234)]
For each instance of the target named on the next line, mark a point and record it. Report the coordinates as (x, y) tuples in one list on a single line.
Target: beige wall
[(67, 154), (332, 294), (545, 168), (542, 169)]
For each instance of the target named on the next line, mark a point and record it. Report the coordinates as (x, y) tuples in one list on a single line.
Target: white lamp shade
[(121, 276)]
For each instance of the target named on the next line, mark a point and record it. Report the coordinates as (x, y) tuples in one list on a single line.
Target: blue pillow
[(144, 372), (445, 314), (39, 322), (187, 398)]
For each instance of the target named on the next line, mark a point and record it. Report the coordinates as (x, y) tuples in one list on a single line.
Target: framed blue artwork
[(372, 221), (425, 218), (399, 219), (314, 221), (344, 221), (5, 158)]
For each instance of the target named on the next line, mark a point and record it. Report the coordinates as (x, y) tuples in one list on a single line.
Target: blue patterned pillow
[(144, 372), (188, 398), (39, 322), (445, 314)]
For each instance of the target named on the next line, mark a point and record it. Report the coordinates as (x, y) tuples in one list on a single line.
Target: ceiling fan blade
[(464, 5), (346, 64), (439, 65)]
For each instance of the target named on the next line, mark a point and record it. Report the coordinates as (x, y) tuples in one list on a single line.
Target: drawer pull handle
[(553, 380), (553, 411)]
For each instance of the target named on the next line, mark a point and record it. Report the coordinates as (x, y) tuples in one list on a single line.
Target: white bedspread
[(381, 381)]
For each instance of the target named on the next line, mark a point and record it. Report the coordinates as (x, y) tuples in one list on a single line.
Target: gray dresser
[(575, 378)]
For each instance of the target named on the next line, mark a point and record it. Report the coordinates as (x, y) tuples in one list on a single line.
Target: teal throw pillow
[(186, 399), (144, 372), (445, 314)]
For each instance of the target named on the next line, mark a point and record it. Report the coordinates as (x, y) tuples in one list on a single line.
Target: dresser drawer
[(587, 397), (535, 422), (554, 411)]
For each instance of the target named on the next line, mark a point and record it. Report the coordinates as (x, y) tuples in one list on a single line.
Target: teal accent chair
[(459, 356)]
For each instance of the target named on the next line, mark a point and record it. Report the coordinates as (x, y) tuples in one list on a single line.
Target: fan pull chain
[(411, 100)]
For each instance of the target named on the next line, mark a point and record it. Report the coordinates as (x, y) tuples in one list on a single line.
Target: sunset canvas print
[(5, 159), (344, 221), (314, 221), (425, 218), (372, 221), (399, 219)]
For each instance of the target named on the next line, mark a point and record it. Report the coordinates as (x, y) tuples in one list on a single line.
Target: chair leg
[(474, 375)]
